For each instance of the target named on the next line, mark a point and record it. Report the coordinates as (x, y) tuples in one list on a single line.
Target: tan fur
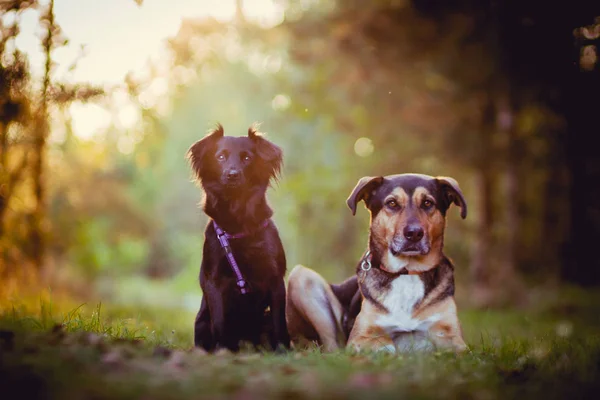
[(366, 334), (447, 332), (306, 314), (434, 223), (385, 224)]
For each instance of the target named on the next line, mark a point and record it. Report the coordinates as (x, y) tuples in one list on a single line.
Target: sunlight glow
[(89, 119), (59, 132), (133, 43), (126, 144), (182, 75), (128, 116), (157, 90), (233, 50), (267, 13), (272, 64)]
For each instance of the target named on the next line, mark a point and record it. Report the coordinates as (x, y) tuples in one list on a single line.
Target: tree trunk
[(481, 249), (4, 175), (239, 11), (39, 191), (511, 224), (582, 264), (508, 276), (480, 259), (38, 231)]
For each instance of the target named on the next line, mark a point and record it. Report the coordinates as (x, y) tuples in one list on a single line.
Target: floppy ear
[(198, 150), (270, 153), (453, 193), (362, 191)]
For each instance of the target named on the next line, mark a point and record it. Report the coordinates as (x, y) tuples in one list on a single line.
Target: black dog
[(243, 261)]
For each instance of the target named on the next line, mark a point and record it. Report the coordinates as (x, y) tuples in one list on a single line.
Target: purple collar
[(241, 234), (224, 240)]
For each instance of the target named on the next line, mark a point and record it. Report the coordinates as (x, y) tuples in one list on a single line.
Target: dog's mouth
[(232, 183), (412, 250), (410, 253)]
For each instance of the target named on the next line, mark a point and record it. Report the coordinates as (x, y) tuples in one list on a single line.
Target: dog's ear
[(197, 151), (453, 193), (362, 191), (270, 153)]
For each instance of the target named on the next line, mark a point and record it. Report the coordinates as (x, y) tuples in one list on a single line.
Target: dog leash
[(224, 241)]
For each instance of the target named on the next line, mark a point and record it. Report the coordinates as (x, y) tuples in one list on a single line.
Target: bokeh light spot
[(363, 147), (281, 102), (126, 144)]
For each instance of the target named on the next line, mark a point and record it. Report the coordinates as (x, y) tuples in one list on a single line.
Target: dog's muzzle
[(412, 242), (232, 178)]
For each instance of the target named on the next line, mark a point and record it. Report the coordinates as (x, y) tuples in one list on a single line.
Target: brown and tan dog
[(402, 296)]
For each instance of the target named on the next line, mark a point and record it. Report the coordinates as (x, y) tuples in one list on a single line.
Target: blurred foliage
[(25, 107), (347, 89)]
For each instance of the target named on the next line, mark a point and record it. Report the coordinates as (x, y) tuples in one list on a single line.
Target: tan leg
[(446, 333), (313, 312), (448, 336), (366, 335)]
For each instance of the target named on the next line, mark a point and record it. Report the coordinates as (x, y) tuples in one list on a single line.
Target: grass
[(98, 351)]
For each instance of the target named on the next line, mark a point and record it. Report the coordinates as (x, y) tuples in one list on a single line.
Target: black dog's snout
[(233, 174), (413, 233)]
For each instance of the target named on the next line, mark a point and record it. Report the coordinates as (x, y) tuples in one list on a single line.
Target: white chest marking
[(405, 292)]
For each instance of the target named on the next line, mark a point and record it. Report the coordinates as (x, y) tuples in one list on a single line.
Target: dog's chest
[(405, 292), (255, 266)]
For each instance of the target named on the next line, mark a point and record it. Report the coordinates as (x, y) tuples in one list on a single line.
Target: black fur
[(235, 173), (349, 296), (432, 278)]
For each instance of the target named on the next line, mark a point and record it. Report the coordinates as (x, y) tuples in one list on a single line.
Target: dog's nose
[(233, 174), (413, 233)]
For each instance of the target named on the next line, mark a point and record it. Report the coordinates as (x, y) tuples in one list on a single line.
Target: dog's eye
[(392, 204), (246, 158), (221, 157), (427, 204)]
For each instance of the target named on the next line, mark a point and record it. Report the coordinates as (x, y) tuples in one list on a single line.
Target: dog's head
[(235, 162), (408, 216)]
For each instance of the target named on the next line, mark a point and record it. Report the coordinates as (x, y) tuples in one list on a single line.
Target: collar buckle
[(365, 265)]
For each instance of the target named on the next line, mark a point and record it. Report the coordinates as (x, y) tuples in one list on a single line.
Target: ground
[(95, 351)]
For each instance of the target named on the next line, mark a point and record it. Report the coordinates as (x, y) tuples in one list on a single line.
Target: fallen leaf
[(161, 351), (363, 380), (197, 352), (288, 369), (112, 358), (93, 339), (176, 360)]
